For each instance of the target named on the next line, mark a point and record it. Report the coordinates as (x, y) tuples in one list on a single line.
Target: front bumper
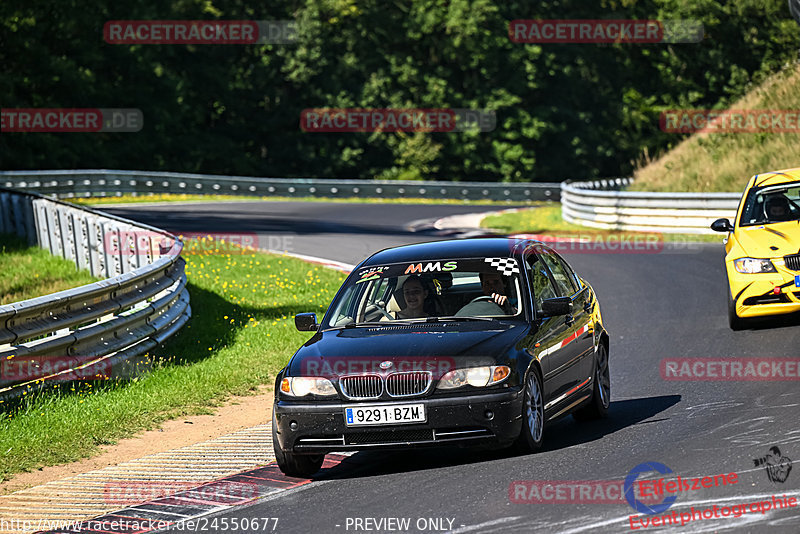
[(319, 427), (754, 296)]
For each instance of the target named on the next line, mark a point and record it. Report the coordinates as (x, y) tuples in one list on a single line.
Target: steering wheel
[(380, 306), (478, 307)]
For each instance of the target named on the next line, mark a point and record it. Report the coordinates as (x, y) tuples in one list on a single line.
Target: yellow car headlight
[(753, 266)]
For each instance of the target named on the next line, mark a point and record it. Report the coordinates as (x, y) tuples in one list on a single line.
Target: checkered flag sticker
[(506, 266)]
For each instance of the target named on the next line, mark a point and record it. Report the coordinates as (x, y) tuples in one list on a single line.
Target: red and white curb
[(188, 508)]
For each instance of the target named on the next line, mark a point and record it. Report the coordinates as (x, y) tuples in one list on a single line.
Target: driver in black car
[(493, 286)]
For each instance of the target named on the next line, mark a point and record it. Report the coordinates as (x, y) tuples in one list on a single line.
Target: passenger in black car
[(415, 294)]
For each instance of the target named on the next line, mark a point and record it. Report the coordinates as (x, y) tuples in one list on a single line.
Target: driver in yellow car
[(777, 208)]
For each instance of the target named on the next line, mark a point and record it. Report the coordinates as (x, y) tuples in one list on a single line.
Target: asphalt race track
[(336, 231), (658, 305)]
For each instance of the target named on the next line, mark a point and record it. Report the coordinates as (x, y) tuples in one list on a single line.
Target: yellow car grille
[(792, 262)]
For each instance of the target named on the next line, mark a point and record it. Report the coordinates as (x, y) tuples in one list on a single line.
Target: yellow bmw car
[(763, 248)]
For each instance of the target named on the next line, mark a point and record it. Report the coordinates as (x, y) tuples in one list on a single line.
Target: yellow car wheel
[(735, 322)]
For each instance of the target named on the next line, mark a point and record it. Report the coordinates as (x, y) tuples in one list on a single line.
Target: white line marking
[(152, 512), (333, 264), (481, 526)]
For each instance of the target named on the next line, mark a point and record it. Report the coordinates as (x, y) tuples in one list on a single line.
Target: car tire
[(601, 391), (291, 464), (734, 321), (532, 433)]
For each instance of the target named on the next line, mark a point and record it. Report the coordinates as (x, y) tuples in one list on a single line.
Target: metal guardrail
[(100, 329), (601, 204), (84, 183)]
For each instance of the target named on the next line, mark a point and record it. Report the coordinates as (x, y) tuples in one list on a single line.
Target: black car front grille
[(371, 386), (361, 386), (407, 384), (389, 436), (792, 262)]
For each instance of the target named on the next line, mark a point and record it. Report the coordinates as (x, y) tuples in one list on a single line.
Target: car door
[(550, 333), (583, 306), (571, 368)]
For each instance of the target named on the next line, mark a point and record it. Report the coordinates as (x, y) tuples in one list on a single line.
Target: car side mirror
[(722, 225), (557, 306), (306, 322)]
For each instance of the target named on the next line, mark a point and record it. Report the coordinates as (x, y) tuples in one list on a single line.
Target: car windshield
[(457, 289), (771, 204)]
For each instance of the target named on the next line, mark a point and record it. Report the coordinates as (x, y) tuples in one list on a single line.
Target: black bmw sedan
[(469, 342)]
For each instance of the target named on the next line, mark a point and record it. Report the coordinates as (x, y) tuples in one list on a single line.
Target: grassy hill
[(724, 162)]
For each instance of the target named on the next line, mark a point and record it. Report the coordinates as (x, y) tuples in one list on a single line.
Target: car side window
[(543, 288), (564, 284), (573, 278)]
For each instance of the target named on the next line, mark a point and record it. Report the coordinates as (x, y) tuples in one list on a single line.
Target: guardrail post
[(67, 238), (5, 216)]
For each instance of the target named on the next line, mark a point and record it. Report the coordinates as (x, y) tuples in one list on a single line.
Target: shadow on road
[(774, 322), (567, 432), (559, 435)]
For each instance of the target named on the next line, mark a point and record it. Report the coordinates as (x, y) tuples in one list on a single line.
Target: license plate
[(797, 280), (386, 414)]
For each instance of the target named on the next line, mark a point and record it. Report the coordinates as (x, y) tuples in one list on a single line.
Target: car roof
[(479, 247), (775, 177)]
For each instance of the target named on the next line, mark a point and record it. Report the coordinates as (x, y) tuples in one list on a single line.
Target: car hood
[(436, 347), (755, 241)]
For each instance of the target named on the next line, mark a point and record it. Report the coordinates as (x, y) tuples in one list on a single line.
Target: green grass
[(241, 333), (29, 271), (724, 162), (546, 219), (131, 199)]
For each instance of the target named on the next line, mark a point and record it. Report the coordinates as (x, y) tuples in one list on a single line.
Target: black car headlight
[(300, 386), (474, 376)]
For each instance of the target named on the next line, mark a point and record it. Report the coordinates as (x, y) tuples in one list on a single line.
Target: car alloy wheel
[(531, 435), (291, 464)]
